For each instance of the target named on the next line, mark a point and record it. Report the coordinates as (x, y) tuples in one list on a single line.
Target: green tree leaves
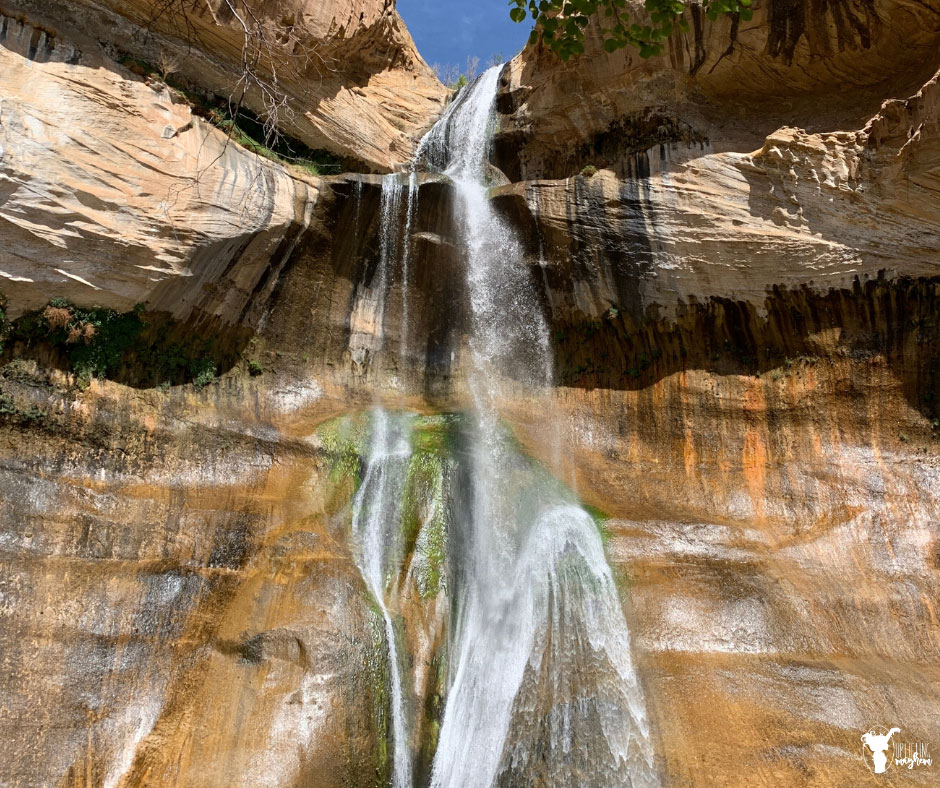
[(560, 24)]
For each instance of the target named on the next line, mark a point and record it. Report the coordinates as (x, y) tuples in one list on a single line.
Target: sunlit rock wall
[(823, 67), (114, 193), (745, 340), (181, 567), (344, 75)]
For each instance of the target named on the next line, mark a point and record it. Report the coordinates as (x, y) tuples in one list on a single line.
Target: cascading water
[(542, 682), (377, 504), (405, 260), (507, 318), (367, 321), (375, 526)]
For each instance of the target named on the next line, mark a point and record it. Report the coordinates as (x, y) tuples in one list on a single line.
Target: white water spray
[(405, 262), (377, 504), (367, 320), (542, 680), (375, 525)]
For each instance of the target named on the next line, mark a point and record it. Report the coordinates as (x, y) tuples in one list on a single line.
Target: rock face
[(817, 210), (199, 589), (114, 193), (343, 75), (726, 84), (743, 308)]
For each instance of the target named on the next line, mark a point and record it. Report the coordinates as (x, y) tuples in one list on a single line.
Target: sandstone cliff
[(344, 76), (116, 193), (742, 305), (725, 84)]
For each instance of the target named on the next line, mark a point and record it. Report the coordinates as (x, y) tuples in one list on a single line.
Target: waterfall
[(367, 320), (405, 260), (542, 681), (375, 527), (507, 320), (377, 504)]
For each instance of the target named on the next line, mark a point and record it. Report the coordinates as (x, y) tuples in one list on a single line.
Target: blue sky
[(450, 31)]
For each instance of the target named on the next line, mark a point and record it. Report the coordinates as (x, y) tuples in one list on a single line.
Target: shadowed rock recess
[(597, 445)]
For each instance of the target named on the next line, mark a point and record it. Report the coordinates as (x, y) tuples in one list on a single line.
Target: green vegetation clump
[(9, 410), (204, 372), (378, 669), (242, 126), (561, 24), (589, 171), (434, 704), (424, 515), (254, 368), (343, 440), (93, 341), (247, 130), (456, 79), (97, 342), (425, 509)]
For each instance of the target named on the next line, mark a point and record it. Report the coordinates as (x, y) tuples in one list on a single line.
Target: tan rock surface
[(113, 193), (776, 538), (182, 578), (345, 75), (822, 67), (817, 210)]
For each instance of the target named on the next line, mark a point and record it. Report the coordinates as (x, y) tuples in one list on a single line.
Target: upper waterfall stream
[(541, 686)]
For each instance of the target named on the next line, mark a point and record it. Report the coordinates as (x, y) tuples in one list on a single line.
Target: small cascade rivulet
[(375, 525), (541, 687), (367, 321)]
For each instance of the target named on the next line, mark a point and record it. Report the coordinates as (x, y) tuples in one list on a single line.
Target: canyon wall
[(726, 83), (343, 75), (117, 191), (742, 300)]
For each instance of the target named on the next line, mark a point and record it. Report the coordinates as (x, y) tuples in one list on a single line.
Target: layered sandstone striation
[(344, 76), (805, 209), (727, 84), (192, 571), (116, 193), (777, 534)]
